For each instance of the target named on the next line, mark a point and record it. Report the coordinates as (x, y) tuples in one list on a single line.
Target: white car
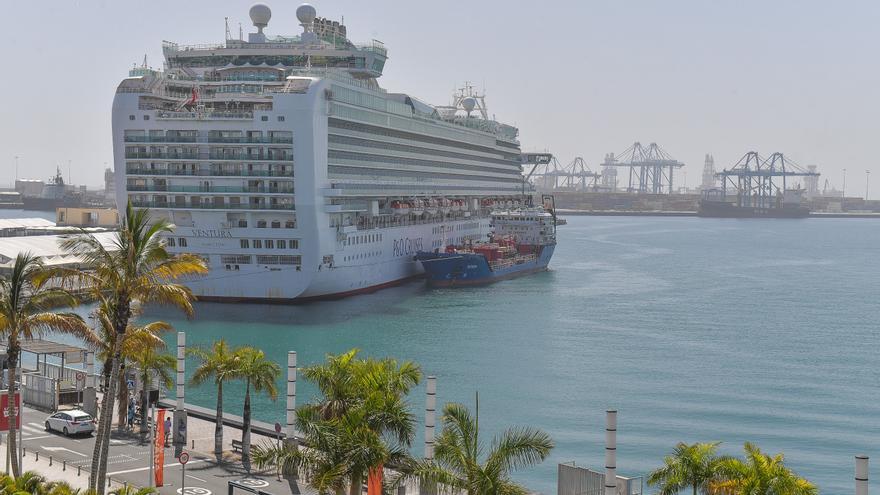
[(70, 422)]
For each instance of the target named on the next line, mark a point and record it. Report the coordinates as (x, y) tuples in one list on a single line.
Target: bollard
[(108, 481), (64, 465), (36, 454), (194, 445), (50, 461), (611, 452), (430, 407), (78, 471), (861, 475)]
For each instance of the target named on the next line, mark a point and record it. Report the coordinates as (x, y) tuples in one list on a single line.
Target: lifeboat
[(400, 207), (417, 207), (457, 204), (445, 205), (431, 206)]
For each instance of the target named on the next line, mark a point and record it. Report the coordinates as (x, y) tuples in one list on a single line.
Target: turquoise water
[(695, 329)]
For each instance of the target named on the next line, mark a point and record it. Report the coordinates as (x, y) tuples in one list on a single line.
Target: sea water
[(695, 330)]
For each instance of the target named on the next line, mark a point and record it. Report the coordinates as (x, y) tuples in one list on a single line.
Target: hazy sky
[(580, 78)]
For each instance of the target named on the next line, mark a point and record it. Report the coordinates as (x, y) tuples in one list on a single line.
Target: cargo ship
[(787, 205), (522, 241)]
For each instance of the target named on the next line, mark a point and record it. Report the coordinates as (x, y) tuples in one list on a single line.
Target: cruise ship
[(283, 163)]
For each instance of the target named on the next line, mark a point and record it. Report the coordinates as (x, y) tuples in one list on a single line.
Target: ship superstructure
[(283, 163)]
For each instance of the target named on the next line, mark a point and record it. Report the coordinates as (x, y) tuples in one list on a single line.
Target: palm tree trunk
[(357, 483), (12, 362), (97, 477), (246, 426), (218, 427), (122, 401), (145, 406), (695, 489)]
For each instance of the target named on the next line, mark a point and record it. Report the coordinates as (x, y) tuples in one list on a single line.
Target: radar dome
[(306, 13), (260, 14), (469, 104)]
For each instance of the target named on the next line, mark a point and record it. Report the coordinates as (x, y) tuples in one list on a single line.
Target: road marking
[(32, 429), (135, 470), (193, 490), (41, 437), (253, 482), (197, 479), (56, 449)]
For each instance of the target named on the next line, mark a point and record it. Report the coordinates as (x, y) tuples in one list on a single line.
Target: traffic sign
[(184, 458), (80, 376), (277, 427)]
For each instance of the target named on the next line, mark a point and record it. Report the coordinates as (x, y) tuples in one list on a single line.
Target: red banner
[(4, 406), (374, 481), (159, 459)]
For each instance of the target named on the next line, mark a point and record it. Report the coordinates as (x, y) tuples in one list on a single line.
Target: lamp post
[(867, 176)]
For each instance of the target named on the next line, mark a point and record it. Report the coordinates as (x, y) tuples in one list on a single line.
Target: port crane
[(651, 168), (761, 182), (549, 174)]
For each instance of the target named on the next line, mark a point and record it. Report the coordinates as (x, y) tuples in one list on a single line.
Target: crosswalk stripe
[(32, 429), (37, 425)]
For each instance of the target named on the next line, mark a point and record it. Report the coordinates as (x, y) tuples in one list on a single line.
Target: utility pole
[(16, 168)]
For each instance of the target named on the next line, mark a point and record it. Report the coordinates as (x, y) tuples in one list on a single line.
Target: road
[(128, 462)]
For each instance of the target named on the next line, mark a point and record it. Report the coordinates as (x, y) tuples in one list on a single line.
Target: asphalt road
[(128, 462)]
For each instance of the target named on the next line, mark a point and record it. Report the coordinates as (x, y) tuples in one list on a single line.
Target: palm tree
[(457, 463), (759, 474), (363, 404), (131, 490), (218, 364), (136, 271), (150, 362), (29, 482), (25, 299), (695, 466), (135, 340), (261, 374)]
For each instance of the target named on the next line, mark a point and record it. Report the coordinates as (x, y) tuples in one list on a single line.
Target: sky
[(579, 78)]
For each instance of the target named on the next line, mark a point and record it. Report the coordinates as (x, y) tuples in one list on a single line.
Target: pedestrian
[(167, 430), (131, 415)]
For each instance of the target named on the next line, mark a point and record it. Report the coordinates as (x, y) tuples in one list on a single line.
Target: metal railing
[(212, 206), (211, 189), (281, 157), (210, 139), (210, 173)]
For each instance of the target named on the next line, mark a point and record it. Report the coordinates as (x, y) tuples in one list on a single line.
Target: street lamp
[(843, 193), (867, 176)]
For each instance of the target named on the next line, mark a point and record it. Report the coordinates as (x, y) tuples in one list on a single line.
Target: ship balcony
[(284, 174), (239, 157), (188, 205), (209, 139), (211, 189)]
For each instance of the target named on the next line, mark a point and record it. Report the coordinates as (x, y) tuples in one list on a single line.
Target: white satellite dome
[(260, 14), (306, 13), (469, 104)]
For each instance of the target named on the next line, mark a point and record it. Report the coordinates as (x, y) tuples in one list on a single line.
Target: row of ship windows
[(264, 118), (443, 166), (456, 241), (384, 145), (363, 256), (233, 262), (408, 124), (372, 172), (458, 227), (409, 136), (363, 239), (269, 243)]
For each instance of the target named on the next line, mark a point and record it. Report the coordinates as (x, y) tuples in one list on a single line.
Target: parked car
[(71, 422)]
